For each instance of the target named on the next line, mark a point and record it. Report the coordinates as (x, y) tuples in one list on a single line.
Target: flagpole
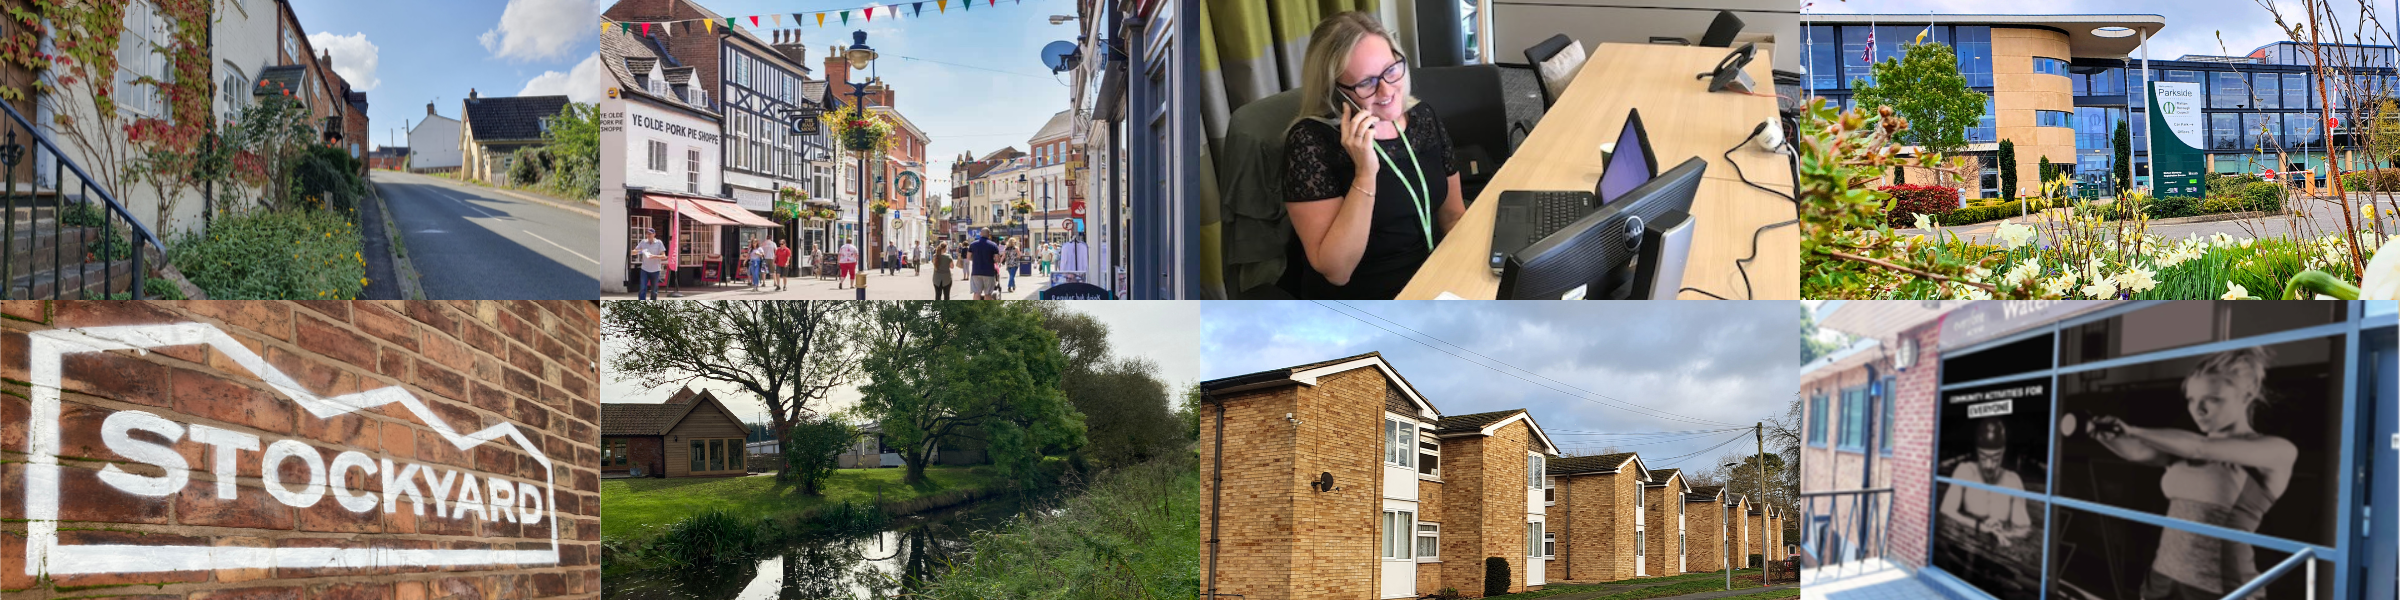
[(2150, 139)]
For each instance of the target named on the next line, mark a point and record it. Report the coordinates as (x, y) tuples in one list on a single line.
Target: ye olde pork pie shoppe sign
[(252, 472)]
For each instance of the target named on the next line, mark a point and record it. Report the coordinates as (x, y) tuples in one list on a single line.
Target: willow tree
[(986, 371), (790, 354)]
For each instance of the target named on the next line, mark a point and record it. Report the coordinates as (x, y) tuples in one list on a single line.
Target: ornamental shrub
[(2263, 196), (273, 255), (1495, 576), (2163, 207), (1910, 200)]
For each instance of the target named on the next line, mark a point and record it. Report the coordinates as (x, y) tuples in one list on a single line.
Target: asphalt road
[(471, 243)]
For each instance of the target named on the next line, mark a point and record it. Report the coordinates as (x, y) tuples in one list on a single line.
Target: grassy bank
[(630, 506), (1130, 535)]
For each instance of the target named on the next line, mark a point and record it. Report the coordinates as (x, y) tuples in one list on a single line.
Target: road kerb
[(402, 266)]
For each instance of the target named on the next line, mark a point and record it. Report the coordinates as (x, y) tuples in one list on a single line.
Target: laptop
[(1526, 217)]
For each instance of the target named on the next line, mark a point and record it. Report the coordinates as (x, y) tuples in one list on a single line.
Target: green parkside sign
[(2177, 166)]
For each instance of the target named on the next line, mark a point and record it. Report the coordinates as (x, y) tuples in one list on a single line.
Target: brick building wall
[(1431, 509), (1660, 545), (1707, 534), (1600, 544), (1504, 494), (150, 453), (1464, 510), (1911, 467), (1280, 538)]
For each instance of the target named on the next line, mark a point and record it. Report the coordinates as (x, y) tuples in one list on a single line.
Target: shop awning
[(741, 217), (694, 210)]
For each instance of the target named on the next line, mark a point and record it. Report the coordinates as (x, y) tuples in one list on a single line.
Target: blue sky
[(2193, 26), (435, 50), (1735, 363)]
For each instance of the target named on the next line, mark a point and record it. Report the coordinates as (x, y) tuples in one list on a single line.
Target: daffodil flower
[(2235, 291)]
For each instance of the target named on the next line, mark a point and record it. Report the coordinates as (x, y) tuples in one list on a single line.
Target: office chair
[(1721, 31), (1472, 105), (1557, 60)]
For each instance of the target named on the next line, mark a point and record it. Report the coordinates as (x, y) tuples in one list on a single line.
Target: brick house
[(1837, 402), (300, 449), (692, 434), (1668, 524), (1304, 506), (1764, 524), (1601, 522), (1704, 510)]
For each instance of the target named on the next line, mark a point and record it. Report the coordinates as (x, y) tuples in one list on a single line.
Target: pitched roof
[(1306, 374), (1473, 422), (1574, 465), (1660, 476), (1059, 126), (653, 419), (511, 118)]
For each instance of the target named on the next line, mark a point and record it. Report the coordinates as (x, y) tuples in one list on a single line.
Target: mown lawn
[(1656, 587), (627, 505)]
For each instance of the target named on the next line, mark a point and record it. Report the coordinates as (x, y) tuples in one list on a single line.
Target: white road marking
[(561, 247)]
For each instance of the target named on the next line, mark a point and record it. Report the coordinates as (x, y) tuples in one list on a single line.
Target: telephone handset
[(1729, 73)]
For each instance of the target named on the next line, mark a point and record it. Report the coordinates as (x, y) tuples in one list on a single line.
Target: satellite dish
[(1061, 56), (1324, 482)]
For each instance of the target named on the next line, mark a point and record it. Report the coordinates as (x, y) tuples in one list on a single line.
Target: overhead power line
[(1588, 396), (1671, 460)]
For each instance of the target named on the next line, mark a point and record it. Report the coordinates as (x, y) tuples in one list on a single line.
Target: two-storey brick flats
[(1299, 503)]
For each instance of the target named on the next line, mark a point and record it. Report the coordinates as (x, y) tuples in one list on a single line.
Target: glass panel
[(716, 455), (2110, 82), (735, 450), (2229, 90), (1984, 131), (1391, 441), (2260, 131), (2265, 91), (2296, 90), (1824, 60), (2179, 324), (2181, 76), (1429, 541), (1854, 57), (2029, 354), (2224, 131), (1403, 522), (1888, 416), (699, 455), (1854, 418), (1975, 54)]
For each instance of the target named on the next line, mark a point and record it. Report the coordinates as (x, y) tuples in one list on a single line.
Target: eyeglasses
[(1391, 75)]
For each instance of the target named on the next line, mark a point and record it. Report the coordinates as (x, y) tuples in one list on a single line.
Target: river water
[(908, 552)]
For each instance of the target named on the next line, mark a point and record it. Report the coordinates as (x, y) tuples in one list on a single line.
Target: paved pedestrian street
[(909, 284)]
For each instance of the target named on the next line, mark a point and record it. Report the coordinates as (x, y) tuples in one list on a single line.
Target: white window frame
[(658, 157), (1429, 532), (136, 58), (1549, 491), (1396, 452), (1534, 465), (1425, 438), (1641, 544), (1396, 524), (1549, 544), (1535, 531), (692, 172)]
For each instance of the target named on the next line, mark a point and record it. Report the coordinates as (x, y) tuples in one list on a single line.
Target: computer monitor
[(1592, 257), (1631, 163)]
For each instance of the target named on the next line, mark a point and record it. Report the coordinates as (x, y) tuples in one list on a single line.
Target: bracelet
[(1370, 193)]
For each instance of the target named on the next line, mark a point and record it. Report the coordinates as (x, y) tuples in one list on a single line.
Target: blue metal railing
[(1844, 527), (70, 275)]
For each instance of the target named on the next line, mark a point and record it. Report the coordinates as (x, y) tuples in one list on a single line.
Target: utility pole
[(1725, 539), (1766, 561)]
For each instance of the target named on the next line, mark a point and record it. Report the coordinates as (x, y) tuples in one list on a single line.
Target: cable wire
[(1586, 395)]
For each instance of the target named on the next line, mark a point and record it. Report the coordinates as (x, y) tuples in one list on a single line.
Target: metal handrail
[(2273, 574), (12, 154), (1862, 535)]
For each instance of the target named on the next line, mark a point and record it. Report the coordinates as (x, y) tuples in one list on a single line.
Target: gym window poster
[(2234, 437)]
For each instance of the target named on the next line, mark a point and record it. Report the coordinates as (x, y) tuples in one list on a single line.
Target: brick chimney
[(429, 110), (471, 94), (788, 43)]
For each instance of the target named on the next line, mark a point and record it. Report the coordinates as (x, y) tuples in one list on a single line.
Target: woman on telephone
[(1367, 176)]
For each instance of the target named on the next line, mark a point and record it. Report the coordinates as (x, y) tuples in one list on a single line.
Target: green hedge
[(274, 255), (1995, 212), (2372, 180)]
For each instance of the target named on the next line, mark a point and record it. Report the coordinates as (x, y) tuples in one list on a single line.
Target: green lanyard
[(1422, 202)]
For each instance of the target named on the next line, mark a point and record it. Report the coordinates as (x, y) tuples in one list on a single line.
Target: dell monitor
[(1594, 256)]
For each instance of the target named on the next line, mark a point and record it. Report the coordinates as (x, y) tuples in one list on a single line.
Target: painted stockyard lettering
[(450, 493)]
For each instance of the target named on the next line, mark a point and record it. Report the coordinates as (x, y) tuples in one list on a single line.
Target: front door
[(1399, 576)]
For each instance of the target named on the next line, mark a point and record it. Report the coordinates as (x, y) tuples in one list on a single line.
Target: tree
[(1813, 344), (1124, 404), (2123, 142), (788, 354), (1188, 410), (1924, 86), (1739, 471), (2008, 170), (987, 371), (574, 146), (2045, 170), (813, 450)]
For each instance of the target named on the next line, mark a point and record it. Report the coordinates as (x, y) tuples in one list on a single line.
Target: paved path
[(469, 242), (383, 281), (1586, 595), (2324, 217)]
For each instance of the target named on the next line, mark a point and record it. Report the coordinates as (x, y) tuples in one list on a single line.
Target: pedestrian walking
[(849, 262), (783, 261), (1009, 259), (941, 272), (916, 259), (751, 260), (982, 272), (652, 254)]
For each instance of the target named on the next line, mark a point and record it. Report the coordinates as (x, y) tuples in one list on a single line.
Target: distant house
[(872, 451), (388, 158), (491, 130), (689, 435), (433, 144)]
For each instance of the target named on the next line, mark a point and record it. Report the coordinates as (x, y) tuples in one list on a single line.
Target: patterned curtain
[(1248, 50)]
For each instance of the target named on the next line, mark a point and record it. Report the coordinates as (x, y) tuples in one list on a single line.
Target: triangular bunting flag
[(753, 20), (920, 6), (845, 18), (778, 20), (941, 6), (645, 30), (709, 24), (870, 14), (604, 27), (820, 19), (799, 20)]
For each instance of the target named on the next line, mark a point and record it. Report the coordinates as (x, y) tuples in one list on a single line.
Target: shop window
[(658, 156)]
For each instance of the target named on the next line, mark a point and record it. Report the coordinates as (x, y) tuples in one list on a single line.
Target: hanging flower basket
[(859, 132), (879, 206)]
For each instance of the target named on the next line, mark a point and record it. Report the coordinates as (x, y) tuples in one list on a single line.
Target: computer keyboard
[(1557, 210)]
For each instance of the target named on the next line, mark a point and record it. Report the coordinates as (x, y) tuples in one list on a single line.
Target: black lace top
[(1316, 169)]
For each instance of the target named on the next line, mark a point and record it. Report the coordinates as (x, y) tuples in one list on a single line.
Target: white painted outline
[(47, 350)]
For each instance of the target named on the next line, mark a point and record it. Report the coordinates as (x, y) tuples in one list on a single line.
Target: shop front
[(2118, 450), (707, 238)]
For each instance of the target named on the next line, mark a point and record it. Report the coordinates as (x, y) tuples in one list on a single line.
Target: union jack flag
[(1868, 55)]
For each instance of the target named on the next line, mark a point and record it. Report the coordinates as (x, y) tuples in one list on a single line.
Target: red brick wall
[(474, 365), (692, 47), (1281, 538), (1911, 466)]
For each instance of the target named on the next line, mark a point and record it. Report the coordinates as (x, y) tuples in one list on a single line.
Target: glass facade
[(2049, 66), (2051, 118)]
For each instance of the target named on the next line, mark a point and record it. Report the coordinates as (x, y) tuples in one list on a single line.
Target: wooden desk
[(1683, 121)]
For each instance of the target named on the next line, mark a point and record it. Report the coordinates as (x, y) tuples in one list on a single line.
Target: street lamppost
[(860, 57), (1024, 196)]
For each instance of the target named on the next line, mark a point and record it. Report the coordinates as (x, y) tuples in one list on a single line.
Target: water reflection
[(903, 558)]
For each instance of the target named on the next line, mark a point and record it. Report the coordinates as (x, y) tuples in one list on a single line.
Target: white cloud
[(542, 29), (581, 84), (354, 57)]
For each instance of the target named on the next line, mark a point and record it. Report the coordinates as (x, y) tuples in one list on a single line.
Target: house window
[(1639, 544), (691, 173), (237, 92), (658, 156), (1429, 456), (1429, 542), (1885, 438), (1816, 421), (699, 455), (1854, 419), (137, 57), (716, 455), (1549, 490), (1549, 544), (1533, 471), (1533, 539), (614, 454), (1682, 543), (1397, 438), (1396, 527), (634, 227)]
